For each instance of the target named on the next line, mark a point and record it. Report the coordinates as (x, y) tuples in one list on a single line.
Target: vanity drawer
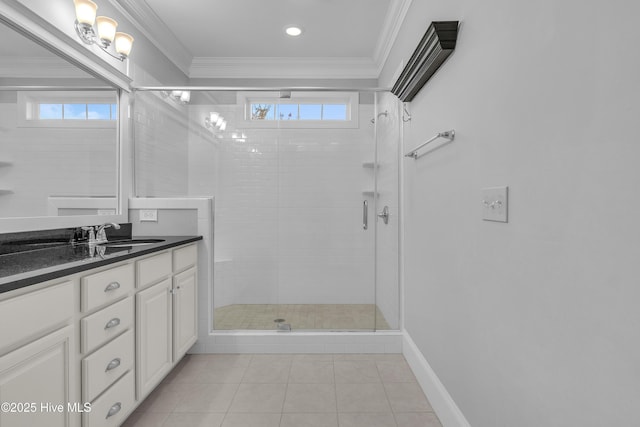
[(107, 323), (153, 269), (32, 314), (110, 409), (184, 258), (106, 365), (107, 286)]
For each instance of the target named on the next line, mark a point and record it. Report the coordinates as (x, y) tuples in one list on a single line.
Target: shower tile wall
[(161, 149), (288, 218)]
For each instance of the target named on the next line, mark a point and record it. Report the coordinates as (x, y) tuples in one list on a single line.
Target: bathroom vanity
[(83, 342)]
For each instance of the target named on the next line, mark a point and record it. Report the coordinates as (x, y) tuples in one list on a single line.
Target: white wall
[(534, 322)]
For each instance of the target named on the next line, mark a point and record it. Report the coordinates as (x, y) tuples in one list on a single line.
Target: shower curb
[(299, 342)]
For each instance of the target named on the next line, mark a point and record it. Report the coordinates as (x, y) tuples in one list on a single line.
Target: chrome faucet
[(92, 235), (101, 236)]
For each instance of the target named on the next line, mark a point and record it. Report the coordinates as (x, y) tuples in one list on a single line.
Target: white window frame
[(28, 103), (351, 99)]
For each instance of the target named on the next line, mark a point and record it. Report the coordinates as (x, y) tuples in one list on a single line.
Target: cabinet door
[(153, 319), (185, 315), (38, 374)]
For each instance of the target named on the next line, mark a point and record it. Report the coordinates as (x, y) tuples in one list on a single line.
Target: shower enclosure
[(305, 183)]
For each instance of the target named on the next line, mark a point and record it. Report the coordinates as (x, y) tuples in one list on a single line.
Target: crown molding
[(30, 67), (395, 17), (298, 68), (140, 14)]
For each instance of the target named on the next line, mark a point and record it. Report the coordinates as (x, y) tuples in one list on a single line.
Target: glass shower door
[(388, 128), (294, 178), (325, 255)]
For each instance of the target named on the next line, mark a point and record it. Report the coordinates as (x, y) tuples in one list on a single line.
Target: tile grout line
[(234, 394), (393, 413), (335, 388), (286, 389)]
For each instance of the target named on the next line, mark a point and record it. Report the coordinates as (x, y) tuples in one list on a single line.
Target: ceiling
[(245, 38)]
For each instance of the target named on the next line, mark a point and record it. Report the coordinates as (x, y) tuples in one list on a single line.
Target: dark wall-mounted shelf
[(434, 48)]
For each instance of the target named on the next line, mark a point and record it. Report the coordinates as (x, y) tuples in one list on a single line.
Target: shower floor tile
[(300, 316), (351, 394)]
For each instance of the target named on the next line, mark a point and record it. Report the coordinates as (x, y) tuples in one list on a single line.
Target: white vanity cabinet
[(153, 322), (108, 344), (36, 357), (104, 337), (185, 300), (185, 316), (166, 313)]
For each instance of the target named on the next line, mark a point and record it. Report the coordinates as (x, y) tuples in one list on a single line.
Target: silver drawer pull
[(112, 323), (113, 364), (112, 286), (114, 410)]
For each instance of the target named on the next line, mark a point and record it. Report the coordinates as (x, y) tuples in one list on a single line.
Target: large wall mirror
[(59, 138)]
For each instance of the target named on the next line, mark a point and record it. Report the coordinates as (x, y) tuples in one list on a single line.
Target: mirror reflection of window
[(59, 143)]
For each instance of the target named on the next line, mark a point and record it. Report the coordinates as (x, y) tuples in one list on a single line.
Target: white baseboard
[(441, 401)]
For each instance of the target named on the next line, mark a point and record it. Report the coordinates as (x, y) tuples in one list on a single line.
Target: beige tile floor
[(300, 316), (284, 390)]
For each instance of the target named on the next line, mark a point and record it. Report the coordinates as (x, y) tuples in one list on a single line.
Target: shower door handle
[(365, 215)]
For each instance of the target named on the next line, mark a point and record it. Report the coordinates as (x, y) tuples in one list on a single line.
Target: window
[(47, 111), (68, 109), (300, 110)]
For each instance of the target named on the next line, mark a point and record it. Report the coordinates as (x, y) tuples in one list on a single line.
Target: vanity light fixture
[(178, 96), (105, 33), (181, 96), (239, 137), (293, 31), (215, 121)]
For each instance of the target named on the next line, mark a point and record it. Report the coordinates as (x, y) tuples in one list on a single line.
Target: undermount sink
[(131, 242)]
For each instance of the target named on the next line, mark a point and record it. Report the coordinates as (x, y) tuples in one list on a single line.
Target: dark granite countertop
[(21, 269)]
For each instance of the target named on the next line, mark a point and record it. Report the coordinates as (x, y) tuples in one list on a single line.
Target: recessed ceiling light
[(293, 31)]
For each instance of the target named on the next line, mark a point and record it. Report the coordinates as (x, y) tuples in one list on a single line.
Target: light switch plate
[(149, 215), (495, 204)]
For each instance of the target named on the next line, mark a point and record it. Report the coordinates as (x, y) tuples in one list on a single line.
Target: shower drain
[(281, 326)]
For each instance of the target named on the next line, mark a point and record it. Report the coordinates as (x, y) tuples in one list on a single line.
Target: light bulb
[(293, 31), (85, 11), (106, 29), (124, 43)]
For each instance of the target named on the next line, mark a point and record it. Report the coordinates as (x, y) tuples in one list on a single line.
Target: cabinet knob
[(114, 410), (113, 364), (112, 286), (112, 323)]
